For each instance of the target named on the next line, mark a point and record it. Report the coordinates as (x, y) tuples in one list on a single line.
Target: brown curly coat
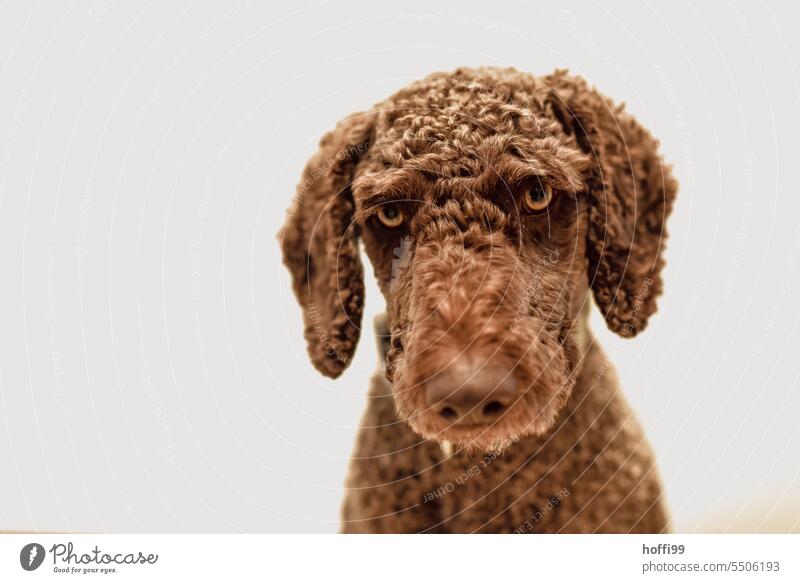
[(471, 272)]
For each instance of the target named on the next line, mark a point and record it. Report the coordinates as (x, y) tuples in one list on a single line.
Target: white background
[(152, 369)]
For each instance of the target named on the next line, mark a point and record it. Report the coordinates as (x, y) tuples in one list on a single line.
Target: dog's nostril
[(493, 408), (448, 413)]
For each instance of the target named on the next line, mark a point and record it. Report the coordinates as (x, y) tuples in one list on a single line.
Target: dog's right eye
[(538, 197), (391, 216)]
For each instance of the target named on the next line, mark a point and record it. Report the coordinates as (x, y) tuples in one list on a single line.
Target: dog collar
[(382, 336)]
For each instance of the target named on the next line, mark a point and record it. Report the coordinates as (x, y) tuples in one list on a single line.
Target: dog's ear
[(630, 192), (320, 247)]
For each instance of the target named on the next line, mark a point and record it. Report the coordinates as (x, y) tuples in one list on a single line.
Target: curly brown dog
[(490, 203)]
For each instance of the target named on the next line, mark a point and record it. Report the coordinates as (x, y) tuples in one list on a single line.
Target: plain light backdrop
[(153, 374)]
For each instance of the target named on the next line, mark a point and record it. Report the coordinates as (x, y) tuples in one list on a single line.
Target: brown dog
[(490, 202)]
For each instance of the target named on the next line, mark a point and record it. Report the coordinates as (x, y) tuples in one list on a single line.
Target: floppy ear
[(630, 192), (320, 247)]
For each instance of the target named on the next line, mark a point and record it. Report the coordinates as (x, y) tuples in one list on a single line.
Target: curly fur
[(473, 274)]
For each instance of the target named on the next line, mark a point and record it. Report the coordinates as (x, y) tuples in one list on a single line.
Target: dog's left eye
[(538, 197), (391, 216)]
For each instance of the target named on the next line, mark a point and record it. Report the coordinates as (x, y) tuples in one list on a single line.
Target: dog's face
[(487, 217), (483, 270)]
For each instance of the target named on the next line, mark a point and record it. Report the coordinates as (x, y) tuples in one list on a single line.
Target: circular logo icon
[(31, 556)]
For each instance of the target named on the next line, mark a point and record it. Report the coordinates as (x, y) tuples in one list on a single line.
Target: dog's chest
[(522, 489)]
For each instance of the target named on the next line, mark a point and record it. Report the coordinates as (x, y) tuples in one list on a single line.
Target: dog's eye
[(391, 216), (537, 197)]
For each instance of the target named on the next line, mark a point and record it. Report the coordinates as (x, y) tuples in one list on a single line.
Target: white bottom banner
[(401, 558)]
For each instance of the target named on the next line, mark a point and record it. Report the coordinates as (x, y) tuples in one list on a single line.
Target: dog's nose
[(470, 393)]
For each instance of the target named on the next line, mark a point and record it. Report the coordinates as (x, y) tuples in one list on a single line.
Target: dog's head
[(489, 203)]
